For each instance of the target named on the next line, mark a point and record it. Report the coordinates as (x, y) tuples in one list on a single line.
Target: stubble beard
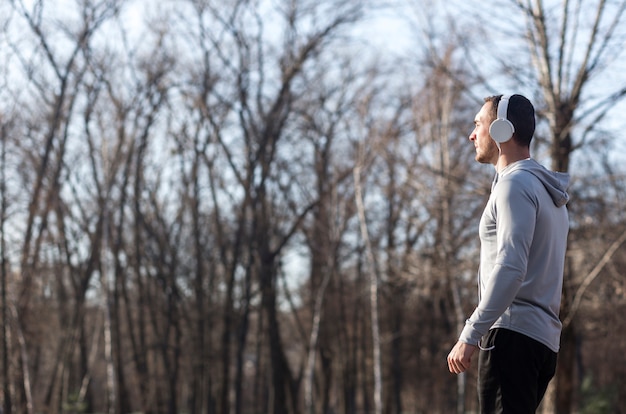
[(488, 156)]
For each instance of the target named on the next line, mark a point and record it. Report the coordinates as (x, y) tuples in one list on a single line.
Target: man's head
[(520, 113)]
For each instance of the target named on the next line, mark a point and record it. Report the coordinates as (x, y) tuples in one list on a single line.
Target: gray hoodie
[(523, 236)]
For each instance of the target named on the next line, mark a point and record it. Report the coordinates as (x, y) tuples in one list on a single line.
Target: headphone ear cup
[(501, 130)]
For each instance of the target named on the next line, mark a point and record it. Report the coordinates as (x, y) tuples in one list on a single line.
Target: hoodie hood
[(556, 183)]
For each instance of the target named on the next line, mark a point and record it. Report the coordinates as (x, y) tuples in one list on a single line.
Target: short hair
[(520, 112)]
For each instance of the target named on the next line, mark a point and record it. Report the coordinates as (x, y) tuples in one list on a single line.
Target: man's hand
[(460, 357)]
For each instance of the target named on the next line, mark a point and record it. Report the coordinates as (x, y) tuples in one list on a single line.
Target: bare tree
[(324, 130), (4, 266), (264, 102), (57, 77)]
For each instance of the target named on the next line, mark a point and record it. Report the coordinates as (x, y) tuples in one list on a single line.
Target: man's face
[(486, 149)]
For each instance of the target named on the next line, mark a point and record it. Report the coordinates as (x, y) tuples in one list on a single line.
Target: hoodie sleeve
[(514, 212)]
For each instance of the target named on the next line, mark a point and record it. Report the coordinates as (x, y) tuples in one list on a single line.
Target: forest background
[(267, 206)]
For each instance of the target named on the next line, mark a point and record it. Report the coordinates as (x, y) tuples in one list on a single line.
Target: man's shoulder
[(519, 180)]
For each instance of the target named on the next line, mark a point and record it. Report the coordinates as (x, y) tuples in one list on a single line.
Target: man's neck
[(511, 154)]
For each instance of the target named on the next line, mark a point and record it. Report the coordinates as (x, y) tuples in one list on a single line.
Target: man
[(523, 233)]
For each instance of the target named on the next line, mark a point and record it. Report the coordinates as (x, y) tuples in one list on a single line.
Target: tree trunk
[(566, 371), (6, 378), (373, 294)]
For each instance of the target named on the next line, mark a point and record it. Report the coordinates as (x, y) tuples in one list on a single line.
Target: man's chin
[(484, 158)]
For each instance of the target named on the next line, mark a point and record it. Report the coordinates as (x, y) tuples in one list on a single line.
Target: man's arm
[(516, 216)]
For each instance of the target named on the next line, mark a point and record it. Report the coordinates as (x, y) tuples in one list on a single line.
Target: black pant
[(514, 374)]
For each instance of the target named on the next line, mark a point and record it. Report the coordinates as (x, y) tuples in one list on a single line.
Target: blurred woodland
[(238, 206)]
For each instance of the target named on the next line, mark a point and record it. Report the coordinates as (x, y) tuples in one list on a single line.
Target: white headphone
[(501, 129)]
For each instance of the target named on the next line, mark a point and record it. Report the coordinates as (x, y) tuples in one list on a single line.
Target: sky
[(390, 32)]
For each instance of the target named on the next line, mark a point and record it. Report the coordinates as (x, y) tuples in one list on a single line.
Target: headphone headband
[(503, 106)]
